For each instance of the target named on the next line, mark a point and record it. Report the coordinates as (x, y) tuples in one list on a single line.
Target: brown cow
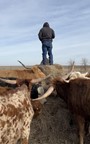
[(16, 111), (76, 93), (16, 114), (21, 73)]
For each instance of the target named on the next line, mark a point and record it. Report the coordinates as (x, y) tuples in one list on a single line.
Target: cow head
[(34, 88), (58, 84)]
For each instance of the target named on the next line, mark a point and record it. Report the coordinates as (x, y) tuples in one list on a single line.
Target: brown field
[(52, 126)]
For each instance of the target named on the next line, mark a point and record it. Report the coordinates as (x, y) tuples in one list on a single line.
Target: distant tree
[(84, 63)]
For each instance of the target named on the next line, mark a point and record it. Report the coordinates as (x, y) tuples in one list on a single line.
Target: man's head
[(46, 24)]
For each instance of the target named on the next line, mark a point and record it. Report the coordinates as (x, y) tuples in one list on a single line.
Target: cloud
[(21, 20)]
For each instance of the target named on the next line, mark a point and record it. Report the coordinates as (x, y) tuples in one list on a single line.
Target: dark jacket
[(46, 33)]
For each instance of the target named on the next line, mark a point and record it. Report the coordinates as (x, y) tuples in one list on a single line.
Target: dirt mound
[(55, 70)]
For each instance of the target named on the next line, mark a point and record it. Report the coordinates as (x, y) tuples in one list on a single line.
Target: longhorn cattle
[(77, 74), (76, 93), (16, 111)]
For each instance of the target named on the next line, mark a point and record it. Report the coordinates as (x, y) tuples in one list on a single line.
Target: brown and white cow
[(76, 93), (17, 111)]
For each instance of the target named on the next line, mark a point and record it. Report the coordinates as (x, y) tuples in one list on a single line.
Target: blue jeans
[(47, 48)]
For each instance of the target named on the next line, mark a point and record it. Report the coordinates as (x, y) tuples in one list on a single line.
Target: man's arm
[(40, 35), (53, 34)]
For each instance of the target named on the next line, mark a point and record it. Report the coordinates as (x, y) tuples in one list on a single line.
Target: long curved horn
[(23, 65), (67, 75), (32, 81), (8, 81), (40, 79), (85, 74), (48, 92)]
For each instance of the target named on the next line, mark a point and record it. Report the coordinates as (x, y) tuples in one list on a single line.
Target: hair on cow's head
[(23, 81)]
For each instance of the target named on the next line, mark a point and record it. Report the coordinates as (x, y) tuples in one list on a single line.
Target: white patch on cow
[(74, 75), (16, 114), (41, 92)]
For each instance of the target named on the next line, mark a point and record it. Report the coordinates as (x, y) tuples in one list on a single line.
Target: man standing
[(46, 35)]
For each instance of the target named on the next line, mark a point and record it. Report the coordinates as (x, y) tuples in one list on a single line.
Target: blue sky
[(21, 20)]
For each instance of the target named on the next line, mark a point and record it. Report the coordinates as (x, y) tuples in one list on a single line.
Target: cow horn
[(48, 92), (32, 81), (85, 74), (40, 79), (68, 74), (24, 65), (8, 81)]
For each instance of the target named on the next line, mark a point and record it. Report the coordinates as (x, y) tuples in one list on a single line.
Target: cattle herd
[(20, 103)]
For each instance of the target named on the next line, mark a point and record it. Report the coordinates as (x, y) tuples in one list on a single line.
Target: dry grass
[(53, 125)]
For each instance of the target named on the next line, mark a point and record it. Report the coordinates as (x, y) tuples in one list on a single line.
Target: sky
[(21, 20)]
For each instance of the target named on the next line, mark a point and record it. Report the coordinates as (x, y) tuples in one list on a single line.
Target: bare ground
[(52, 126)]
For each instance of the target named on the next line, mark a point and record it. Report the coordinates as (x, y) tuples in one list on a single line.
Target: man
[(46, 35)]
